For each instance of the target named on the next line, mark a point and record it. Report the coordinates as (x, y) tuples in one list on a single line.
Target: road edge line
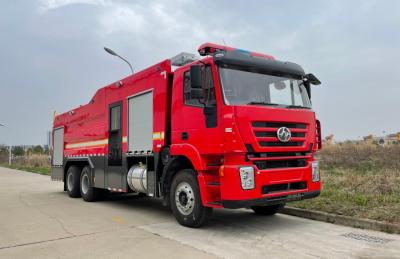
[(343, 220)]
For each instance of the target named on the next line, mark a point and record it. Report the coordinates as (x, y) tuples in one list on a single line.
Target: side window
[(208, 87), (115, 120), (186, 91)]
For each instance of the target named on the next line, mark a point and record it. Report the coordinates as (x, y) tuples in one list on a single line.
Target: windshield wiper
[(262, 103), (297, 107)]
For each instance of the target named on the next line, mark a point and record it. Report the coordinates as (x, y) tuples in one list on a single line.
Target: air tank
[(137, 178)]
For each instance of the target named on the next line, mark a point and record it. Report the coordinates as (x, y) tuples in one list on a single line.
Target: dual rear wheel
[(78, 184)]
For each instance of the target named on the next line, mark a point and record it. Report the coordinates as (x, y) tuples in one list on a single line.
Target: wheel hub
[(184, 198), (70, 182), (85, 183)]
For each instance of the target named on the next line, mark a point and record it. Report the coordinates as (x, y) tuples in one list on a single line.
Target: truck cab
[(249, 116)]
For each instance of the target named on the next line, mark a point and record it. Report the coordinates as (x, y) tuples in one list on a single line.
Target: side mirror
[(312, 79), (196, 90), (195, 77), (308, 89)]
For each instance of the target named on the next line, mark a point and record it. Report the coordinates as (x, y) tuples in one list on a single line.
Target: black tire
[(72, 181), (191, 213), (141, 195), (267, 210), (103, 194), (88, 192)]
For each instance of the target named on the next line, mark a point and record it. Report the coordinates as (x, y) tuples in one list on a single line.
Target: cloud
[(121, 19), (52, 58), (48, 5)]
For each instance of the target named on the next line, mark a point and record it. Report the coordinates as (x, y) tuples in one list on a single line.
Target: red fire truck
[(234, 129)]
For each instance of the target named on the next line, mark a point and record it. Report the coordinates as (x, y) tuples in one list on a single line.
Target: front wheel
[(267, 210), (185, 200)]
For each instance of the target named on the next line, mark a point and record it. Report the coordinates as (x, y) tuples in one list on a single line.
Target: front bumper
[(234, 196), (236, 204)]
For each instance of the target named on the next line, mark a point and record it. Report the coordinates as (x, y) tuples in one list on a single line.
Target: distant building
[(390, 139)]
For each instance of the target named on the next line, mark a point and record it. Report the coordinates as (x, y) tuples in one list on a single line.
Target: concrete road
[(39, 220)]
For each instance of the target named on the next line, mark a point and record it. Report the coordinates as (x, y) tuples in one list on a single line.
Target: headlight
[(315, 171), (247, 177)]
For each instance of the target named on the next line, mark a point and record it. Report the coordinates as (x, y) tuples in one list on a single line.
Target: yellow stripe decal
[(158, 135), (100, 142)]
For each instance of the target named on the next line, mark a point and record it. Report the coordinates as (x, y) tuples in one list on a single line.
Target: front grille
[(266, 133), (263, 165), (264, 124), (283, 187), (281, 144), (273, 134), (273, 160), (278, 154)]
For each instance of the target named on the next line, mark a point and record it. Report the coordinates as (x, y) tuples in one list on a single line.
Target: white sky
[(52, 57)]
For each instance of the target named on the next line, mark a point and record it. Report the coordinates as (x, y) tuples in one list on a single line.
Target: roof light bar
[(211, 49)]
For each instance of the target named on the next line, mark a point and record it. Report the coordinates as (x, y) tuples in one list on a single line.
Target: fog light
[(247, 177), (315, 171)]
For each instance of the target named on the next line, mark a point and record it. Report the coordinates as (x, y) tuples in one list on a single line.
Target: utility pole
[(9, 147), (10, 155)]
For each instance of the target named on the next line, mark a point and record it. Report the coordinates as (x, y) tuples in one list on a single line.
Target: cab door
[(196, 121)]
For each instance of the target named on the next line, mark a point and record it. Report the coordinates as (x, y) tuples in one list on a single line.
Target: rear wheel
[(103, 194), (72, 181), (268, 210), (185, 200), (88, 192)]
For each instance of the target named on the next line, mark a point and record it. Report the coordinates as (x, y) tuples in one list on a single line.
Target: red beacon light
[(212, 48)]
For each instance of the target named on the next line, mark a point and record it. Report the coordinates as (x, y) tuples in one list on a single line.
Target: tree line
[(23, 151)]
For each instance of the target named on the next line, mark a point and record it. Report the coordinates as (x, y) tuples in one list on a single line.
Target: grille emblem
[(283, 134)]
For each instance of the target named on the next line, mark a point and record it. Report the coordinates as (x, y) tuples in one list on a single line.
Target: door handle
[(184, 136)]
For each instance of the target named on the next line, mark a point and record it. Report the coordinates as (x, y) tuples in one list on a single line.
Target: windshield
[(248, 88)]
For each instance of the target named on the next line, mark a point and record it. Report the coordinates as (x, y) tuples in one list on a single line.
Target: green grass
[(32, 169), (362, 189)]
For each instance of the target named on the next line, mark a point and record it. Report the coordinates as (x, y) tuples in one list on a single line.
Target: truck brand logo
[(283, 134)]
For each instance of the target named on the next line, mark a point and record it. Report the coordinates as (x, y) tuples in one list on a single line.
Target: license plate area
[(294, 197)]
